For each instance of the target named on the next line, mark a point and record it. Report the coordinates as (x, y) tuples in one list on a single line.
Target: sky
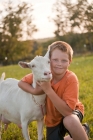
[(42, 10)]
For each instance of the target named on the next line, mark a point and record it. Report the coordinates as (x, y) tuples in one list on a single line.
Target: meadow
[(83, 67)]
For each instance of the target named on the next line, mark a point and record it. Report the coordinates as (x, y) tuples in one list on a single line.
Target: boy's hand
[(38, 90), (45, 86)]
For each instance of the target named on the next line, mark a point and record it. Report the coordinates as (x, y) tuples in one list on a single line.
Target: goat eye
[(33, 66)]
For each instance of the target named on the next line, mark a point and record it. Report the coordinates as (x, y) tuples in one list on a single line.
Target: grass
[(83, 67)]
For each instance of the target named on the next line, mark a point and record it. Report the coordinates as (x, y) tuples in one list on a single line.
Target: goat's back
[(17, 105)]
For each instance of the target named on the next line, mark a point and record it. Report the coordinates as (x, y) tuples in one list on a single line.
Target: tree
[(61, 19), (74, 17), (16, 22), (81, 18)]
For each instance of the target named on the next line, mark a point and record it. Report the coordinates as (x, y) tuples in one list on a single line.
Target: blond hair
[(63, 46)]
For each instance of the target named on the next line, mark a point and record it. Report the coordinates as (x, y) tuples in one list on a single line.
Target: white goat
[(20, 107)]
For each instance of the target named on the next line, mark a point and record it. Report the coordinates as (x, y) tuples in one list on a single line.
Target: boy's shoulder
[(28, 78), (70, 75)]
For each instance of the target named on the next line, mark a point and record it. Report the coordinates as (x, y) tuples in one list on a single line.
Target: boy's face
[(59, 62)]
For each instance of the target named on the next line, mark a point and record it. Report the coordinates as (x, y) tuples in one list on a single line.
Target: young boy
[(64, 110)]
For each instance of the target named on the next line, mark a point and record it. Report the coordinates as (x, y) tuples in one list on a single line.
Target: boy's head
[(63, 46)]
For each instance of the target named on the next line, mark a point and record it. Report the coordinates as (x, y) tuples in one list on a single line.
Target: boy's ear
[(70, 61)]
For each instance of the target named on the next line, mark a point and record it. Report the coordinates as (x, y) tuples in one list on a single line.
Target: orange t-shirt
[(68, 90)]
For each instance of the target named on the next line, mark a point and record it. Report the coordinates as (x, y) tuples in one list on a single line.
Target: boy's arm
[(28, 88), (60, 105)]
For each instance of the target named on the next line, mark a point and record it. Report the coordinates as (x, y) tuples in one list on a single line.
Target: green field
[(83, 67)]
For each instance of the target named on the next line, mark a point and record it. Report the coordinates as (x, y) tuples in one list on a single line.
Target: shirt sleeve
[(71, 92), (28, 78)]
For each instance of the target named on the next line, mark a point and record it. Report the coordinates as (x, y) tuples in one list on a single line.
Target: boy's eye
[(55, 60), (64, 60)]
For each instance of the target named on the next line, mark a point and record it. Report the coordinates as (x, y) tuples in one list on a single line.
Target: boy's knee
[(70, 121)]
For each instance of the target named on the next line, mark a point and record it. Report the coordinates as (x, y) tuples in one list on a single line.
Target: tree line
[(73, 21)]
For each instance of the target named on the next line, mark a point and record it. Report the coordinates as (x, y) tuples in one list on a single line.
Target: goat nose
[(47, 73)]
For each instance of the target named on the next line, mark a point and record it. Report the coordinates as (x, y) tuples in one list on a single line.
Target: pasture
[(83, 67)]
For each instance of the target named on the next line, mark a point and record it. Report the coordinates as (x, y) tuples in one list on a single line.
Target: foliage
[(70, 18), (16, 22), (46, 44), (82, 66), (59, 19), (79, 42), (74, 17)]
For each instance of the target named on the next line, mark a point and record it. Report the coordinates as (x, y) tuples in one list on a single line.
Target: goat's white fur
[(19, 107)]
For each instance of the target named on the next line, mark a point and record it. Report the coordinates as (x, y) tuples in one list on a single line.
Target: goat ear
[(47, 53), (23, 64)]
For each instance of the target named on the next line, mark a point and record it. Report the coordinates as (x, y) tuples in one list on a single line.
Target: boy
[(64, 110)]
